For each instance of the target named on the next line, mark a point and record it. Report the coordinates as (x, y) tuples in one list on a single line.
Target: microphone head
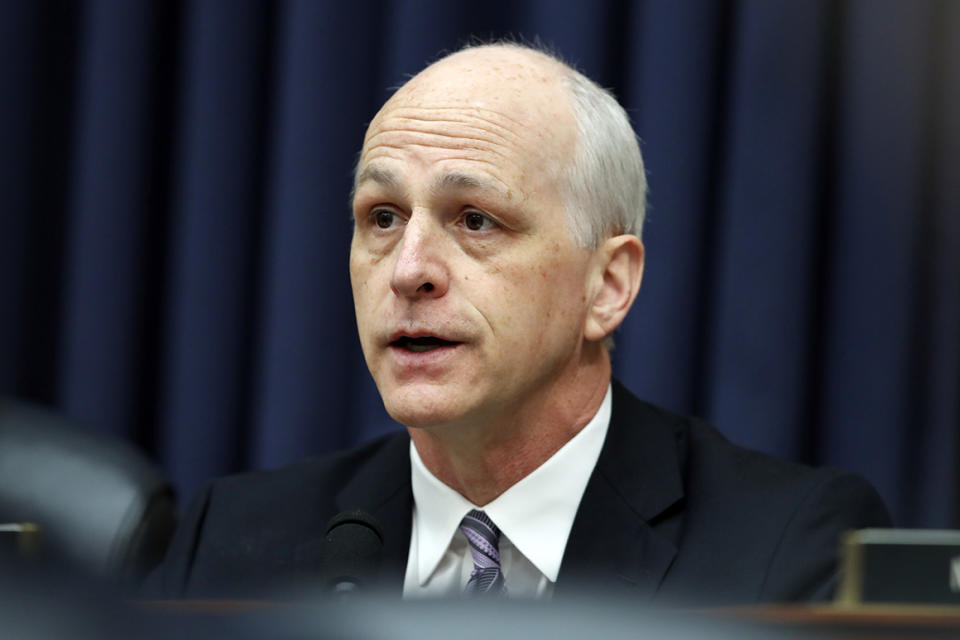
[(351, 552)]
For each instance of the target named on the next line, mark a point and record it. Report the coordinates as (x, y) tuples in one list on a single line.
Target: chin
[(418, 416), (421, 408)]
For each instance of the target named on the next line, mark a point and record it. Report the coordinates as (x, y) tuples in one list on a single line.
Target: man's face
[(470, 293)]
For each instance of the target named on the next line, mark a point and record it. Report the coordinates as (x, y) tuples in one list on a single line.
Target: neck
[(481, 460)]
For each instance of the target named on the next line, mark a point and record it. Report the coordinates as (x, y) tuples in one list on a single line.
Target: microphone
[(351, 552)]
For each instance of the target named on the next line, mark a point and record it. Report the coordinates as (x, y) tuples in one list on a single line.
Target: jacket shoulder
[(759, 528), (252, 532)]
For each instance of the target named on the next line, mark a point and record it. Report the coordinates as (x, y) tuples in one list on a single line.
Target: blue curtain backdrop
[(174, 182)]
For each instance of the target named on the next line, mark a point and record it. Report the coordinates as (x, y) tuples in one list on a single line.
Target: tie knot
[(481, 532), (484, 539)]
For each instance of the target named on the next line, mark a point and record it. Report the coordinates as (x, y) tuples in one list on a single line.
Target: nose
[(420, 270)]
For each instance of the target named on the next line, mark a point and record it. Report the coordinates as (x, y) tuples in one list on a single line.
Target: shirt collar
[(535, 514)]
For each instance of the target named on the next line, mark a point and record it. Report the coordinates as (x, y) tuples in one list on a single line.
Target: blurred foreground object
[(900, 566), (20, 539), (95, 502)]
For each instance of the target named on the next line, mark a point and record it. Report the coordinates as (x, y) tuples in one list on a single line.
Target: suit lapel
[(624, 534), (381, 486)]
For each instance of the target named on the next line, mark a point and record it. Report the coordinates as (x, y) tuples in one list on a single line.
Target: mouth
[(421, 344)]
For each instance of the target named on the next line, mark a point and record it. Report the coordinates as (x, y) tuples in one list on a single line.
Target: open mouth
[(421, 345)]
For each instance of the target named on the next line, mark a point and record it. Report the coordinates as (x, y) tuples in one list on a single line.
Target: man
[(498, 204)]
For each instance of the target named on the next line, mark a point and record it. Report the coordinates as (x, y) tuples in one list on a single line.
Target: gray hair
[(606, 185)]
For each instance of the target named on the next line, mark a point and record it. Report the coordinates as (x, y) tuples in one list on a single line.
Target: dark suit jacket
[(673, 512)]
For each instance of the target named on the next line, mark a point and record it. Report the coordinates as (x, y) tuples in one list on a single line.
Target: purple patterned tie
[(484, 539)]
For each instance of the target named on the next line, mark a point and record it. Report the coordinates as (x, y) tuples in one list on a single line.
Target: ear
[(615, 281)]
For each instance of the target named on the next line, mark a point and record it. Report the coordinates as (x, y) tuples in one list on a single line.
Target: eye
[(477, 221), (384, 218)]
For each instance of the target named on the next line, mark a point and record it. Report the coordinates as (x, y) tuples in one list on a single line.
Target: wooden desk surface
[(865, 621)]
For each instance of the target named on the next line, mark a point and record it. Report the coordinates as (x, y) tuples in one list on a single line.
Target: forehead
[(507, 116), (495, 77)]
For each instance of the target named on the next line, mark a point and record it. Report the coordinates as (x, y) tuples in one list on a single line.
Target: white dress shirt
[(535, 517)]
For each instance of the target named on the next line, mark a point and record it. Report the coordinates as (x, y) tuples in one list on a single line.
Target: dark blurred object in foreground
[(43, 602), (98, 503)]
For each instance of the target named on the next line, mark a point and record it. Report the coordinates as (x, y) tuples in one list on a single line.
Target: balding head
[(510, 101), (504, 71), (579, 130)]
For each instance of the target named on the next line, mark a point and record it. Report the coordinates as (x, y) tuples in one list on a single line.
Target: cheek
[(364, 276), (364, 300), (358, 284), (357, 270), (545, 295)]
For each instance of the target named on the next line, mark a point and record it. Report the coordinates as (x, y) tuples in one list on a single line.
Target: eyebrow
[(383, 177), (456, 180)]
